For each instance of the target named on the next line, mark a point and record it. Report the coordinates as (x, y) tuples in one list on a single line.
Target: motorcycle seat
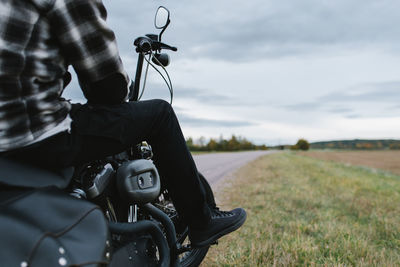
[(14, 173)]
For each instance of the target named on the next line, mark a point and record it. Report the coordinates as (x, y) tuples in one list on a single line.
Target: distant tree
[(189, 143), (202, 141), (379, 145), (394, 146), (365, 145), (233, 144), (262, 147), (212, 145), (302, 144), (247, 145)]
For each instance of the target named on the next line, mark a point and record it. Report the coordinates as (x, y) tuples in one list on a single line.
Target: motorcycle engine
[(138, 181)]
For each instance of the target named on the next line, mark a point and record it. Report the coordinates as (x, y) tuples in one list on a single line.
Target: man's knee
[(163, 106), (162, 103)]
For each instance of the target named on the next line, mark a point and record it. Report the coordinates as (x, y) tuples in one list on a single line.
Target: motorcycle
[(110, 212)]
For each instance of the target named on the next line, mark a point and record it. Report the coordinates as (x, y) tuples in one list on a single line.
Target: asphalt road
[(217, 167)]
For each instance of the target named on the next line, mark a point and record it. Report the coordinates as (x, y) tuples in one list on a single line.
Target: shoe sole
[(226, 231)]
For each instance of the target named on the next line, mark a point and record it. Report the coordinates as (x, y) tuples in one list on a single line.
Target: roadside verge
[(305, 211)]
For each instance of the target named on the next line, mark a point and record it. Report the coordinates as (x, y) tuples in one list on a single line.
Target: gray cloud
[(340, 109), (206, 97), (380, 99), (385, 92), (201, 122), (309, 106), (262, 28), (202, 96), (395, 107), (354, 116), (197, 94), (270, 28)]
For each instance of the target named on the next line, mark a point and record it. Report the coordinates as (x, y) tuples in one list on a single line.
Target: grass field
[(304, 211), (385, 160)]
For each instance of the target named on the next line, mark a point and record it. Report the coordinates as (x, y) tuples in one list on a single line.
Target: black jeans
[(99, 131)]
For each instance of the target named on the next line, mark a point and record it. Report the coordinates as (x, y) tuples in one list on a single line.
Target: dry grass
[(385, 160), (308, 212)]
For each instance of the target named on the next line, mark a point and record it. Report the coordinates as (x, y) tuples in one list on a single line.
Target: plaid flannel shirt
[(38, 40)]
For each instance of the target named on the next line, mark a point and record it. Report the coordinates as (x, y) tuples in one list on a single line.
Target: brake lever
[(160, 45)]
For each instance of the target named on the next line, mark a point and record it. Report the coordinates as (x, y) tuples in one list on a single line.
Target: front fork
[(136, 86), (132, 214)]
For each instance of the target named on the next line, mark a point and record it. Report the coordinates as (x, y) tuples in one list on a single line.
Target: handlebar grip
[(143, 44)]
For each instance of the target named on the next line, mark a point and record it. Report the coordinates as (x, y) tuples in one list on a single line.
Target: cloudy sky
[(274, 71)]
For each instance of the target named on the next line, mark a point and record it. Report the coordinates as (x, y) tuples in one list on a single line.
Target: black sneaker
[(221, 223)]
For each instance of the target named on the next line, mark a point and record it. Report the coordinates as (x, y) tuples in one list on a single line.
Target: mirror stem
[(162, 31)]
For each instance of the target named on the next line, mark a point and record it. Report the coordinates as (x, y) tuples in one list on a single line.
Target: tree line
[(235, 143), (358, 144), (238, 143)]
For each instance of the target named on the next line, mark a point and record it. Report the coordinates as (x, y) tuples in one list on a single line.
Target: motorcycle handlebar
[(165, 46), (145, 44)]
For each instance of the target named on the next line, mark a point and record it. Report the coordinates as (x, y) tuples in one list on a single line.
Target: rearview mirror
[(161, 20)]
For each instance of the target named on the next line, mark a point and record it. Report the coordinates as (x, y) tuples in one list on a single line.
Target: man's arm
[(89, 45)]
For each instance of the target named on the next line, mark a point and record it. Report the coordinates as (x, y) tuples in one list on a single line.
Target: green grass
[(308, 212)]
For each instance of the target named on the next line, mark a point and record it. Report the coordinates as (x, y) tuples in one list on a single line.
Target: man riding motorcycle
[(39, 39)]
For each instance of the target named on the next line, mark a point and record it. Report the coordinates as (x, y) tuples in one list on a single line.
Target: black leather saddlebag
[(46, 227)]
